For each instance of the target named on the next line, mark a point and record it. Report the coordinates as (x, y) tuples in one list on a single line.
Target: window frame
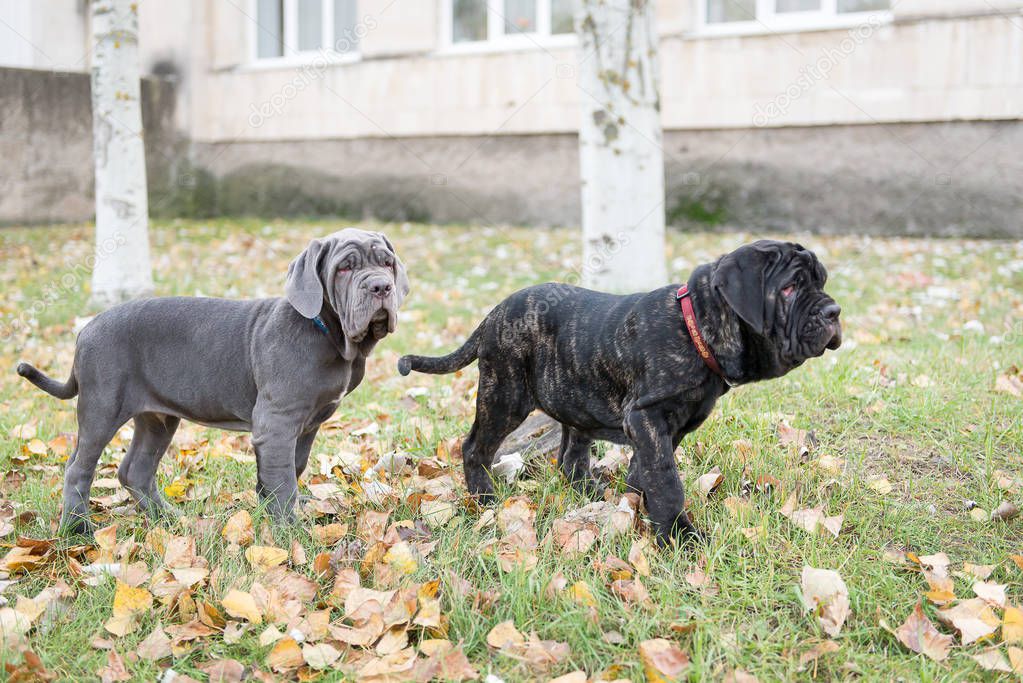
[(497, 40), (292, 55), (768, 20)]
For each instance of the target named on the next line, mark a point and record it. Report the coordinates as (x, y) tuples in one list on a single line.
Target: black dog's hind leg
[(574, 461), (654, 474), (137, 473), (501, 406)]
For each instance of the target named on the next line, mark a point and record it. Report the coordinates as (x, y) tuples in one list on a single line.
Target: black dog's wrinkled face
[(358, 274), (777, 288)]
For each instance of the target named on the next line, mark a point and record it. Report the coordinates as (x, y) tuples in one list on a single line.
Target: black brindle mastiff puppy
[(275, 367), (627, 369)]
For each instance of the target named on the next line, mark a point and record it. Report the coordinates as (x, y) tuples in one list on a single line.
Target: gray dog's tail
[(440, 365), (68, 389)]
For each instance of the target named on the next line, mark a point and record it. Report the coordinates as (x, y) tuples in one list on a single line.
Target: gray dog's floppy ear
[(740, 277), (303, 287), (401, 280)]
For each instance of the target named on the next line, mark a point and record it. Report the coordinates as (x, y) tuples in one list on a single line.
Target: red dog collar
[(694, 331)]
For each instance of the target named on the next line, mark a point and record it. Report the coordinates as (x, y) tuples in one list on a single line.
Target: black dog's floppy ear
[(303, 287), (740, 277), (401, 280)]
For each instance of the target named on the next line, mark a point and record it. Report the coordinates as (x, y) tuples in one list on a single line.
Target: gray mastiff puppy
[(275, 367)]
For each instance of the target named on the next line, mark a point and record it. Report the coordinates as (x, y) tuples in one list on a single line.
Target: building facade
[(887, 116)]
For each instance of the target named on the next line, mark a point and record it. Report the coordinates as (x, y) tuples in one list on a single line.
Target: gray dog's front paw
[(76, 525)]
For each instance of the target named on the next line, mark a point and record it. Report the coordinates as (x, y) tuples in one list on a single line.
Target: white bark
[(621, 162), (122, 268)]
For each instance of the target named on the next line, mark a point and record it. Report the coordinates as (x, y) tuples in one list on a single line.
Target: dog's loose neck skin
[(347, 348), (743, 355)]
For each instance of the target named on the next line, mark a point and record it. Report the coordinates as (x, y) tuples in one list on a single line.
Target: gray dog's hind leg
[(574, 461), (95, 430), (275, 445), (137, 473), (501, 406)]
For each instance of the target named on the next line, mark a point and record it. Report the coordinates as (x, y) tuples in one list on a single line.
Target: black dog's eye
[(788, 290)]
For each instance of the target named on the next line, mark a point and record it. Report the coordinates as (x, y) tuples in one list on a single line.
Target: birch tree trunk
[(621, 162), (122, 270)]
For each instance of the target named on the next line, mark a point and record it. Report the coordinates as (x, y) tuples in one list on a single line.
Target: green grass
[(909, 397)]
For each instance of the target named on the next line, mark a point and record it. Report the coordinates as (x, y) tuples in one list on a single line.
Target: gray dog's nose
[(380, 288), (831, 311)]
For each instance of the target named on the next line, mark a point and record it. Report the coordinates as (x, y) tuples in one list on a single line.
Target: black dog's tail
[(440, 365), (68, 389)]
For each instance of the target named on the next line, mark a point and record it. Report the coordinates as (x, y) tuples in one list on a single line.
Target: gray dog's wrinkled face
[(358, 275), (777, 288)]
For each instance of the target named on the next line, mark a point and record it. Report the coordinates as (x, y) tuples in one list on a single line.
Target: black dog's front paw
[(480, 485), (590, 487), (682, 532)]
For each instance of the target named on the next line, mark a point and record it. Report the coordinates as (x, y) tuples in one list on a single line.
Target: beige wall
[(962, 61), (937, 60)]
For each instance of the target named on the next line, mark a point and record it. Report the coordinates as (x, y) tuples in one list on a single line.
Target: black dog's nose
[(380, 289), (831, 311)]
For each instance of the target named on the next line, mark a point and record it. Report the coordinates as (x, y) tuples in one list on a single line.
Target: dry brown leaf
[(942, 590), (156, 645), (320, 656), (505, 635), (242, 605), (632, 592), (238, 529), (1010, 383), (880, 485), (990, 592), (978, 571), (992, 659), (820, 649), (129, 603), (371, 526), (573, 677), (919, 635), (580, 592), (285, 655), (663, 661), (115, 669), (223, 670), (709, 482), (1015, 659), (263, 558), (972, 618), (638, 559), (937, 563), (825, 593), (1012, 625), (329, 534)]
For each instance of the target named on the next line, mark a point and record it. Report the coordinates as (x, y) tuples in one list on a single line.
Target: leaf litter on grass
[(362, 578)]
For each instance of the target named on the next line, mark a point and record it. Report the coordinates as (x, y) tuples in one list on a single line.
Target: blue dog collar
[(322, 326)]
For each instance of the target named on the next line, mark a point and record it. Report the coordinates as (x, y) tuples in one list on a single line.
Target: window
[(767, 15), (508, 21), (289, 28)]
